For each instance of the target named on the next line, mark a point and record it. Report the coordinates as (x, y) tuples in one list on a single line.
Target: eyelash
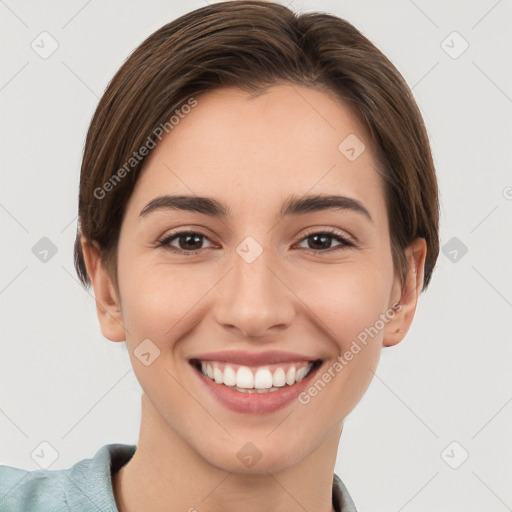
[(345, 242)]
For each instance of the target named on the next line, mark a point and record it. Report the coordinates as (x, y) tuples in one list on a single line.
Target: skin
[(251, 153)]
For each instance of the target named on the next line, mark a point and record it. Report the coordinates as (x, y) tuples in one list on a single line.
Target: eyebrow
[(292, 206)]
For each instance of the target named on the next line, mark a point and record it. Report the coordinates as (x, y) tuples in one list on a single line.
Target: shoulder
[(31, 490), (87, 485)]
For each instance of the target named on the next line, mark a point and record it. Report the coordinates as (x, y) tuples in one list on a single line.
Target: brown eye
[(322, 241), (187, 242)]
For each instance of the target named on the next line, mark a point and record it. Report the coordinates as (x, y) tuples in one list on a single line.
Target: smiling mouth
[(255, 379)]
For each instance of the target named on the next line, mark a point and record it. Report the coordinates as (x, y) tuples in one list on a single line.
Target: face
[(257, 283)]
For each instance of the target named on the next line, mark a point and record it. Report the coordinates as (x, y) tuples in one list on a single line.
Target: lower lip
[(256, 403)]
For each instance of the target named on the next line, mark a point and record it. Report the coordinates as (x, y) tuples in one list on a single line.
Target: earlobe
[(107, 301), (397, 328)]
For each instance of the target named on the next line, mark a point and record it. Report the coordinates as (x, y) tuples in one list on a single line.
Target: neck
[(165, 473)]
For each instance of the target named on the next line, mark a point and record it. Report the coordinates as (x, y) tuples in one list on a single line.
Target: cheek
[(159, 300), (348, 299), (160, 304), (348, 307)]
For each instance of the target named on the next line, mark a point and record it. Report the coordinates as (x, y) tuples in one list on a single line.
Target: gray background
[(450, 380)]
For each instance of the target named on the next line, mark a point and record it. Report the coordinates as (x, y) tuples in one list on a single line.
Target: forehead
[(254, 149)]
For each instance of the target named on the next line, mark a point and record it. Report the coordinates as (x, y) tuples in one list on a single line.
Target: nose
[(254, 298)]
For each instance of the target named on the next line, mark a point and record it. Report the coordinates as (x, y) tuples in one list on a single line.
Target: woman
[(258, 214)]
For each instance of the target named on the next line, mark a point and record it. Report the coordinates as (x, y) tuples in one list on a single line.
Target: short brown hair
[(251, 45)]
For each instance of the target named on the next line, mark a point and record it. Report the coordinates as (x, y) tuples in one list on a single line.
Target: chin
[(257, 456)]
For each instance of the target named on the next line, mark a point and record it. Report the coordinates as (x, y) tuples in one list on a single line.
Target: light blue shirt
[(87, 486)]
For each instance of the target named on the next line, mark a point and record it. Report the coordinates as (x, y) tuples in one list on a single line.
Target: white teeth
[(290, 376), (229, 376), (218, 375), (279, 378), (301, 373), (244, 378), (263, 379)]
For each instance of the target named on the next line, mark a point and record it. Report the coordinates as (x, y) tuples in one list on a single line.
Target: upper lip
[(253, 358)]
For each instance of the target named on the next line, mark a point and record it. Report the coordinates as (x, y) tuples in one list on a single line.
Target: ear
[(407, 294), (108, 305)]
